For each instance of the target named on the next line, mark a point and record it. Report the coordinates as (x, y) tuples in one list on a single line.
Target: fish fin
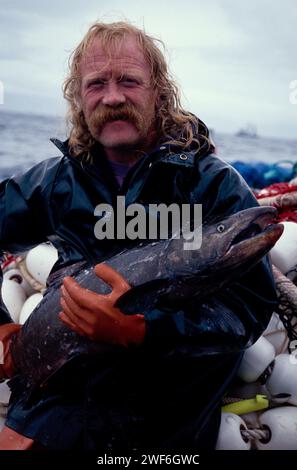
[(143, 297), (56, 278)]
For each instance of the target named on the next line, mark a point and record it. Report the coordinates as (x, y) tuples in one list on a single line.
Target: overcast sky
[(233, 59)]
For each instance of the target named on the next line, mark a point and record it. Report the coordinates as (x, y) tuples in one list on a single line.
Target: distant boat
[(249, 131)]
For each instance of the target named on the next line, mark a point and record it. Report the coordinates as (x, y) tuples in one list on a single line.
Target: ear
[(77, 104)]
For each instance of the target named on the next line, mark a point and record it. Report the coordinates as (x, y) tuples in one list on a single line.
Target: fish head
[(239, 240), (229, 248)]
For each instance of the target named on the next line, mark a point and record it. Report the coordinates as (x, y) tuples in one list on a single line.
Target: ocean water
[(25, 141)]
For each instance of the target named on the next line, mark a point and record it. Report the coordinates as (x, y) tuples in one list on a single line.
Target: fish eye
[(220, 228)]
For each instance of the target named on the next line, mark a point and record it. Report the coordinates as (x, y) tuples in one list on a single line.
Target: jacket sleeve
[(233, 318), (24, 216)]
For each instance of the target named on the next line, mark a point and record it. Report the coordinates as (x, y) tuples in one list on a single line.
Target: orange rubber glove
[(11, 440), (7, 368), (94, 315)]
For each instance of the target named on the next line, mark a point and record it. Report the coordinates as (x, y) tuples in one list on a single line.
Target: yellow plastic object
[(260, 402)]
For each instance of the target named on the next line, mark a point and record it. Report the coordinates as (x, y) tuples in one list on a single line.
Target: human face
[(117, 97)]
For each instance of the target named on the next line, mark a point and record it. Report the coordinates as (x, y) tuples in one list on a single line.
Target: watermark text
[(153, 222)]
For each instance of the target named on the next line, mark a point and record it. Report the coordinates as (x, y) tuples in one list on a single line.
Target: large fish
[(162, 274)]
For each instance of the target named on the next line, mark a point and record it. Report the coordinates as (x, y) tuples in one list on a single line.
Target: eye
[(221, 228), (96, 83), (128, 81)]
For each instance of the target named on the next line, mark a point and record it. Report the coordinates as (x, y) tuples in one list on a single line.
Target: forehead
[(127, 56)]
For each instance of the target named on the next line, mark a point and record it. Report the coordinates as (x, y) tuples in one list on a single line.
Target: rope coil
[(255, 434)]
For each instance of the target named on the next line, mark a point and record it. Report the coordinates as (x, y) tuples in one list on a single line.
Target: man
[(129, 136)]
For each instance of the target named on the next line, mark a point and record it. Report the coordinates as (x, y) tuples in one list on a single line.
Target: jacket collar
[(162, 153), (62, 146)]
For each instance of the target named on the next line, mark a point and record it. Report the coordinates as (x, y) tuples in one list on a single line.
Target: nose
[(113, 96)]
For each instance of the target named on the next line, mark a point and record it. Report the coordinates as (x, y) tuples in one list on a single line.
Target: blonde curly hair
[(176, 126)]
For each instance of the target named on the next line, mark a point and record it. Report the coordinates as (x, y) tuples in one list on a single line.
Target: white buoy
[(276, 334), (282, 425), (255, 360), (14, 297), (16, 275), (229, 436), (282, 383), (40, 260), (284, 253), (28, 307)]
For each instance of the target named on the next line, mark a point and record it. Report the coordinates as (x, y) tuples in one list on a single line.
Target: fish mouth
[(270, 234), (252, 231), (258, 235)]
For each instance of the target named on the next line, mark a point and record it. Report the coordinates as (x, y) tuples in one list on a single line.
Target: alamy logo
[(158, 221)]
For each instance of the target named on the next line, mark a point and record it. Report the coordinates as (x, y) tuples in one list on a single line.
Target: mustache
[(125, 112)]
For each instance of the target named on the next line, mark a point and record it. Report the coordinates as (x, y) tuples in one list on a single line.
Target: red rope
[(275, 190), (288, 216), (7, 259)]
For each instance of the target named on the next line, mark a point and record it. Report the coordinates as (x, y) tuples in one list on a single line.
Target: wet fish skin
[(161, 273)]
